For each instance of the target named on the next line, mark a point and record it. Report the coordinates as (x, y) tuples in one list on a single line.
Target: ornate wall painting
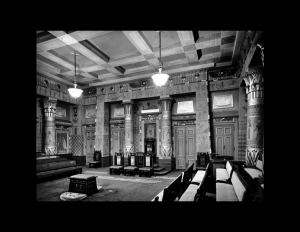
[(62, 141), (223, 101), (61, 112), (150, 131), (90, 113), (119, 112), (185, 107)]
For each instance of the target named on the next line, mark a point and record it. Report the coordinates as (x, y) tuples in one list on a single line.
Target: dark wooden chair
[(147, 168), (132, 165), (96, 160), (173, 191), (202, 160), (119, 164), (140, 159)]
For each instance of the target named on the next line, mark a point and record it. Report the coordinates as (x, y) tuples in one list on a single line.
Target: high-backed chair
[(132, 165), (148, 166), (140, 159), (96, 160), (202, 159), (119, 164)]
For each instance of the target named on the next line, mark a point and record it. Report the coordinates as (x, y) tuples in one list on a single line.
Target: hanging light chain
[(160, 62)]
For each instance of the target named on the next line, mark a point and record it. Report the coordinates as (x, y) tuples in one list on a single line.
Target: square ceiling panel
[(167, 38), (52, 63), (65, 53), (114, 44), (135, 65)]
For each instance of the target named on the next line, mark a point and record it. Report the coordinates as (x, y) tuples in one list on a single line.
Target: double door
[(185, 146), (224, 139), (89, 145), (118, 141)]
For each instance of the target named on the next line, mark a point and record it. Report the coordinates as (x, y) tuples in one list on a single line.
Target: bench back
[(240, 186), (229, 168), (173, 191), (259, 165), (55, 165), (186, 178), (202, 188)]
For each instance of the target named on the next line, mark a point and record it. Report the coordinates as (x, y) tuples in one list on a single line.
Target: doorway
[(89, 145), (185, 146), (224, 139), (118, 141)]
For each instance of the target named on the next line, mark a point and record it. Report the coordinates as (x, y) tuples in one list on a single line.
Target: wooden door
[(190, 145), (118, 141), (224, 139), (90, 142), (185, 146)]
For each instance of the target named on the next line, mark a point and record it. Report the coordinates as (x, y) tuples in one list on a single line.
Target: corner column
[(166, 142), (50, 111), (255, 116), (128, 126)]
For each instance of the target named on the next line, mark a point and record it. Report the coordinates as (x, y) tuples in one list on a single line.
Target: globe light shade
[(160, 78), (75, 92)]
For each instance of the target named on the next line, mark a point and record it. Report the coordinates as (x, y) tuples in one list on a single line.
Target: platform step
[(163, 172), (158, 169), (155, 165)]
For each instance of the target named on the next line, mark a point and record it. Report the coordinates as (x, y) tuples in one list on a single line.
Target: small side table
[(83, 183)]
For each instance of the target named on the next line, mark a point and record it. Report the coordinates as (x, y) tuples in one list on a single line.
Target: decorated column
[(128, 125), (255, 116), (102, 130), (50, 111), (166, 142)]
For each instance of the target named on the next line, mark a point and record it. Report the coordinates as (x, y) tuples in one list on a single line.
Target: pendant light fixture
[(160, 78), (74, 92)]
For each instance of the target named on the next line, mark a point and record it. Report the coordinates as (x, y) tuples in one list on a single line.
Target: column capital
[(128, 106), (126, 101), (50, 106), (254, 85), (165, 103)]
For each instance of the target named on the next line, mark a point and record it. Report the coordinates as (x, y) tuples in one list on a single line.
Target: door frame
[(235, 136), (175, 145)]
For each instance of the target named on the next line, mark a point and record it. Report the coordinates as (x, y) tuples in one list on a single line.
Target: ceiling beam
[(202, 66), (251, 53), (237, 45)]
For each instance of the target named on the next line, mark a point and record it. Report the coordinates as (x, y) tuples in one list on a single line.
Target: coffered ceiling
[(106, 57)]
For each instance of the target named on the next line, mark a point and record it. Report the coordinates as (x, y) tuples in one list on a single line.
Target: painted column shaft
[(255, 117), (166, 129), (128, 127), (50, 111)]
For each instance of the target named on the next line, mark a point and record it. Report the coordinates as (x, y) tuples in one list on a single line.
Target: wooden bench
[(49, 168), (172, 192), (237, 191), (254, 171), (191, 191)]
